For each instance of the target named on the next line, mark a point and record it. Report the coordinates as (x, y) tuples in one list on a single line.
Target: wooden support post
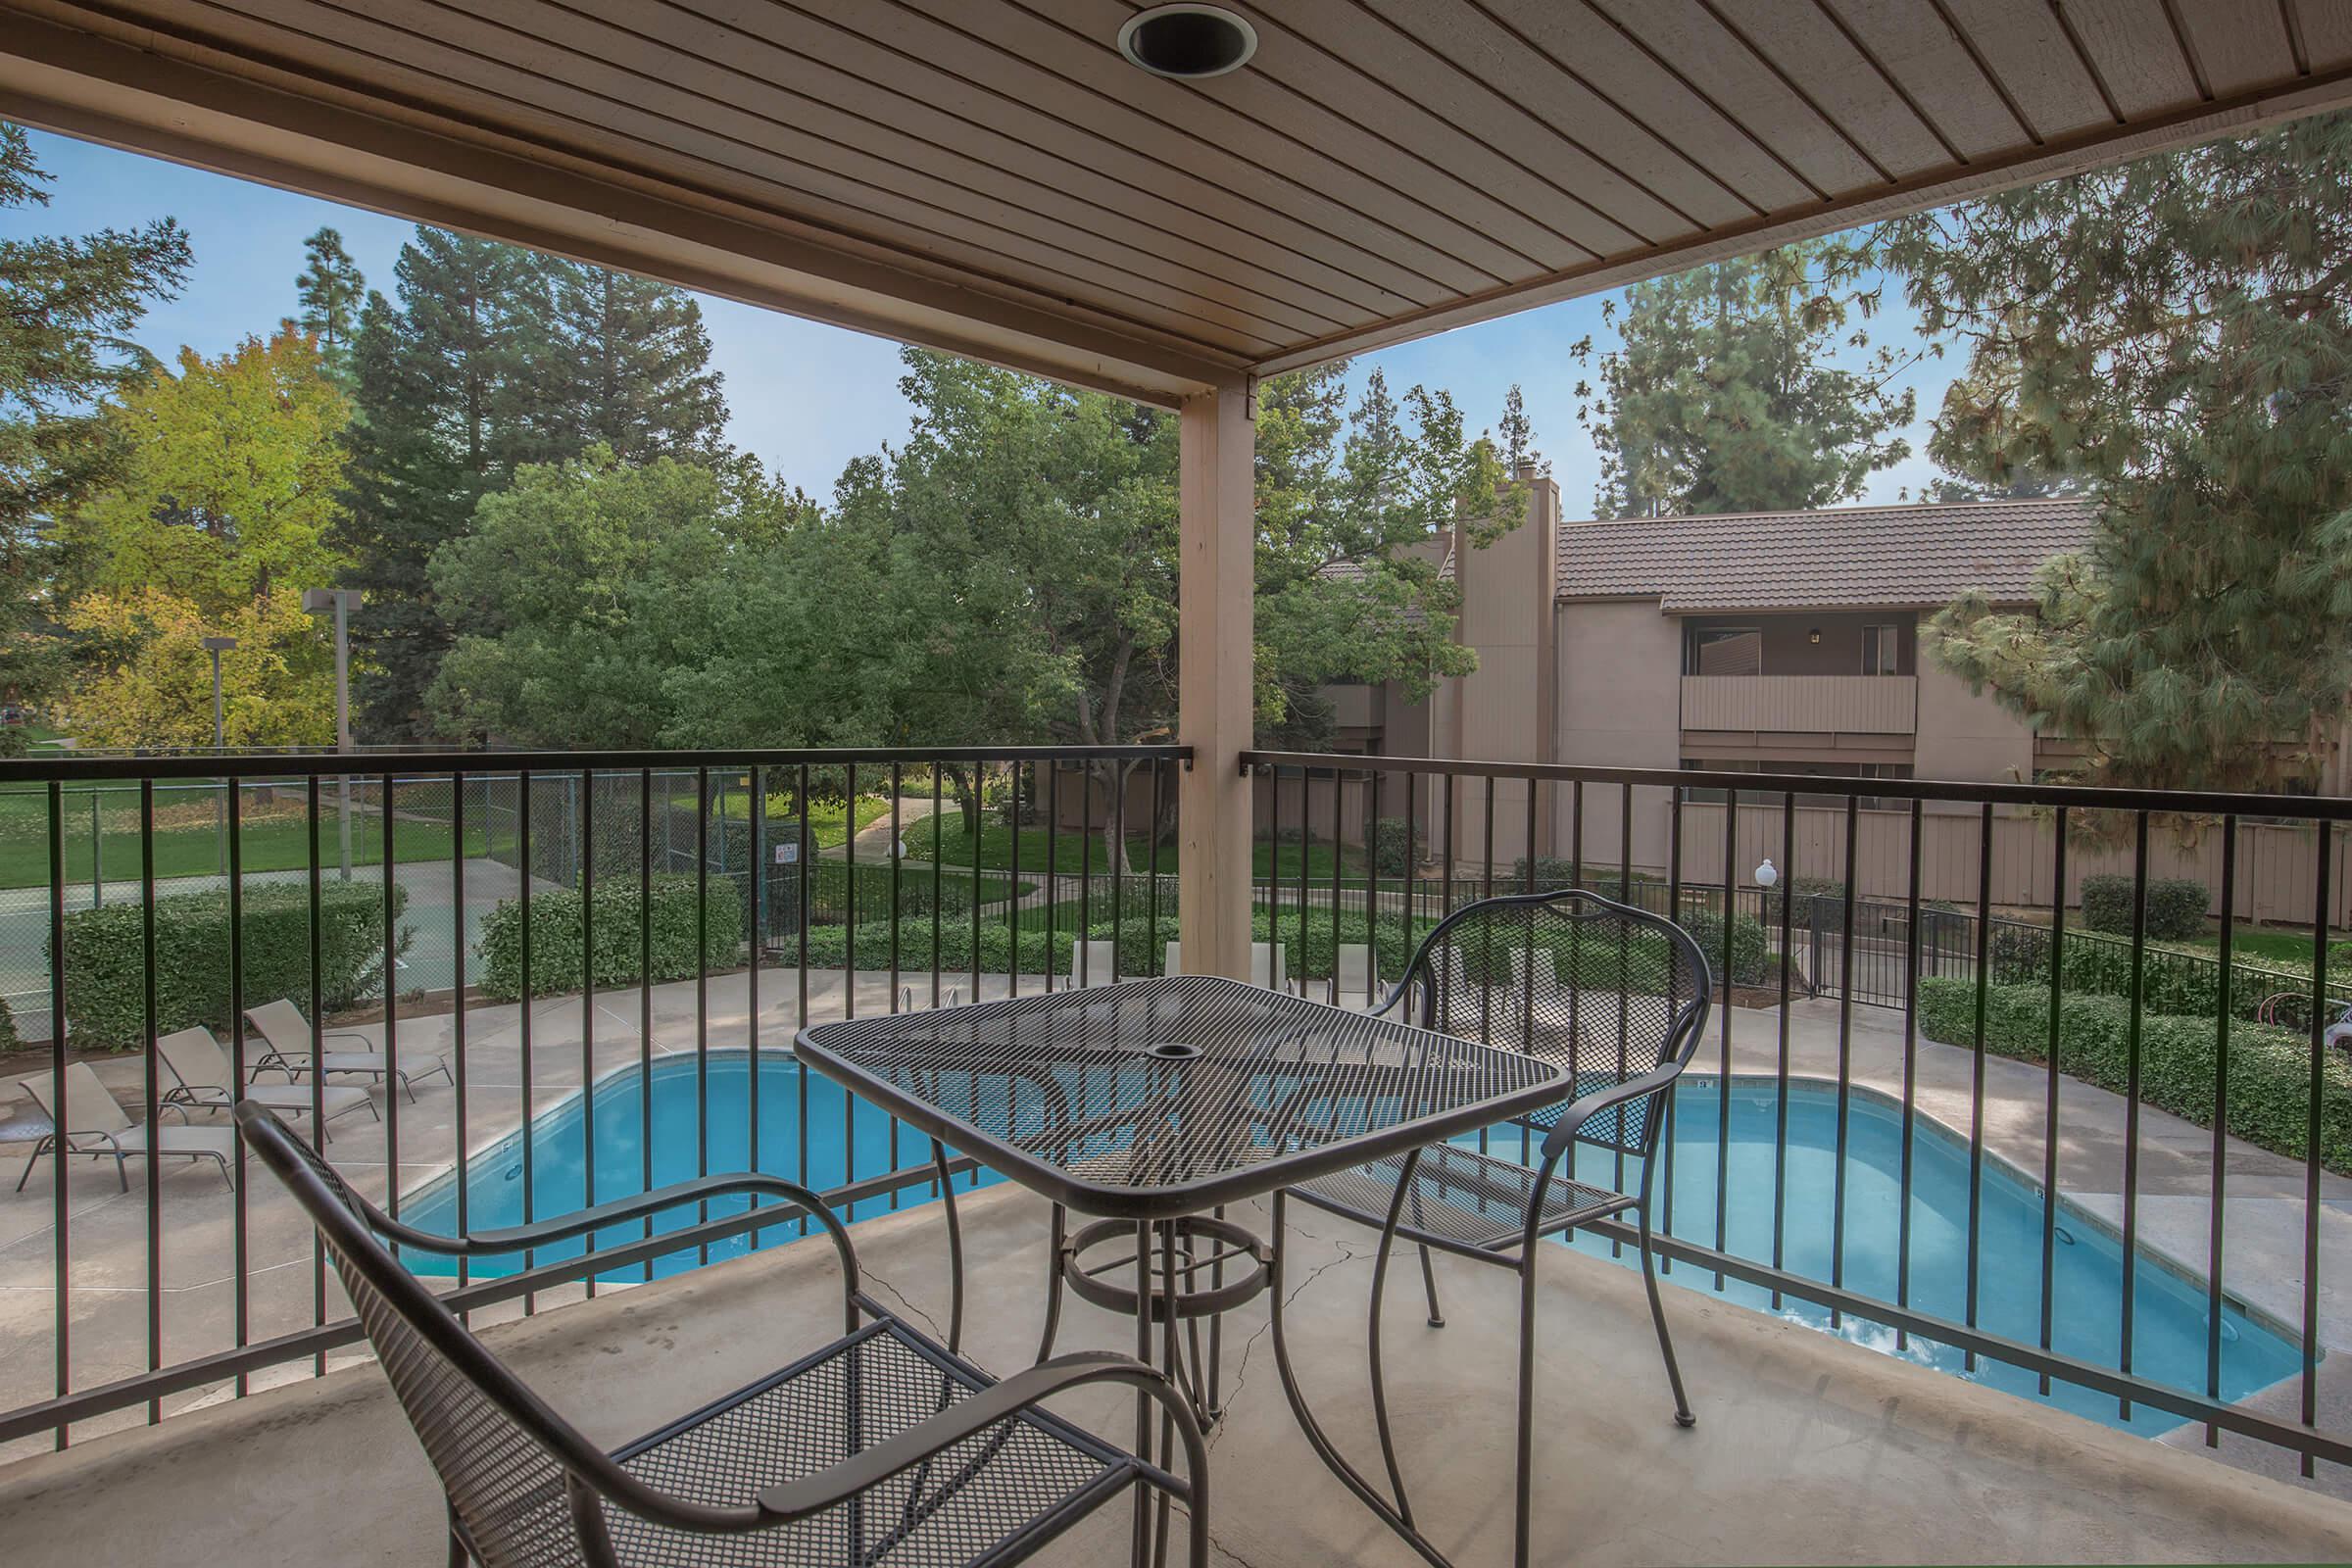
[(1216, 694)]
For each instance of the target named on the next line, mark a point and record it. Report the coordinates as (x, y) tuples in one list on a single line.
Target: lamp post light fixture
[(216, 646), (1766, 875), (318, 602)]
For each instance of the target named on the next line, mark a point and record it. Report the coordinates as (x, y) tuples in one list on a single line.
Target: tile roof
[(1875, 557)]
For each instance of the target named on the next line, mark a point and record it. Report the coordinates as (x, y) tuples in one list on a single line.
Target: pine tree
[(2176, 332), (1740, 388), (454, 387), (66, 305), (636, 360), (332, 293)]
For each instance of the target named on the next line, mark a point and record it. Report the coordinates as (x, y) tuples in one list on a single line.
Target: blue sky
[(805, 398)]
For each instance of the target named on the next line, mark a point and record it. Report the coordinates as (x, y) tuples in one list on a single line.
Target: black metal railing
[(1827, 1144), (635, 935)]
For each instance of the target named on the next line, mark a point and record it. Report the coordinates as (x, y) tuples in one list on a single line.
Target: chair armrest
[(563, 1227), (1583, 1109), (796, 1499)]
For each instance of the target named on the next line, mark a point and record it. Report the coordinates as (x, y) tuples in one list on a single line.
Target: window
[(1722, 651), (1881, 650), (1867, 802)]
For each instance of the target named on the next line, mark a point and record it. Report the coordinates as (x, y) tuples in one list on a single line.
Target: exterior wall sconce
[(1814, 635)]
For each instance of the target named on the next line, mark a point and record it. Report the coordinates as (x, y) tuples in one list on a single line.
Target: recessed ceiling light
[(1188, 41)]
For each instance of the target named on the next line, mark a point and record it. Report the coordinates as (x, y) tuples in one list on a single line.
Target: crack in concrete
[(1241, 1365), (871, 1277)]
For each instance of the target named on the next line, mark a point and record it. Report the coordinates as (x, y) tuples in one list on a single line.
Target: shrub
[(105, 958), (615, 932), (1752, 952), (1392, 837), (2175, 907), (2172, 981), (2270, 1069), (1801, 889)]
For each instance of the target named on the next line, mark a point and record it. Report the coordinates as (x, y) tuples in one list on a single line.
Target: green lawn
[(2269, 944), (829, 820), (275, 837)]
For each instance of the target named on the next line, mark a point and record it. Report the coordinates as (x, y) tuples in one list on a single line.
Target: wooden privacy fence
[(2276, 862)]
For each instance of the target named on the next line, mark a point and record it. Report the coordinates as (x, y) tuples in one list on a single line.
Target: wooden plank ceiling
[(992, 177)]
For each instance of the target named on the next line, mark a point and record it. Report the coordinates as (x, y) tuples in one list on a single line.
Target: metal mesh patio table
[(1156, 1102)]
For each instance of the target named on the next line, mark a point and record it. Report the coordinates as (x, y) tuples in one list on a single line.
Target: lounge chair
[(287, 1041), (1094, 963), (206, 1080), (100, 1127), (1358, 974), (1269, 964)]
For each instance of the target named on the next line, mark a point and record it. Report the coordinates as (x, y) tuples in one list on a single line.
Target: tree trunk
[(1114, 841)]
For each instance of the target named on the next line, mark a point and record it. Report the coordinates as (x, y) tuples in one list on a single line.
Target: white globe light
[(1766, 876)]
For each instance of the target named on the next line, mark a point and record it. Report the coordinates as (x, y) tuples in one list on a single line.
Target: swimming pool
[(848, 1140)]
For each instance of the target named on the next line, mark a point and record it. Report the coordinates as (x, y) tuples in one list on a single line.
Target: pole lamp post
[(317, 602), (216, 646)]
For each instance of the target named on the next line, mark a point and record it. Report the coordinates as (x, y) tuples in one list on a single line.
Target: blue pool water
[(2169, 1314)]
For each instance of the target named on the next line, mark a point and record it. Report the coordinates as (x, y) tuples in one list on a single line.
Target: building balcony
[(1807, 704)]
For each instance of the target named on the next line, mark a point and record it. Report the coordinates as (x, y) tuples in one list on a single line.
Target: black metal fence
[(651, 880), (2003, 1038), (706, 907)]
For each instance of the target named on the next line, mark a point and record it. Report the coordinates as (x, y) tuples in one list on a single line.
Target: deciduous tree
[(148, 677), (227, 482)]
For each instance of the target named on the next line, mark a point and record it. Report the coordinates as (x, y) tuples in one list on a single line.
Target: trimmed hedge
[(1392, 836), (105, 960), (1310, 947), (2187, 984), (616, 934), (2270, 1069), (2175, 907)]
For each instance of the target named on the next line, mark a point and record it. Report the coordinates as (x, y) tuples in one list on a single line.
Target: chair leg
[(1044, 1345), (38, 1150), (1429, 1283), (1658, 1314), (1380, 1385), (1522, 1527), (123, 1173)]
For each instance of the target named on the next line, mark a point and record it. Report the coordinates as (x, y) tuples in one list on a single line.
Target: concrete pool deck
[(108, 1300), (1807, 1449)]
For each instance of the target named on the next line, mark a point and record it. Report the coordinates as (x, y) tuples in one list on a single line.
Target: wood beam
[(1216, 685)]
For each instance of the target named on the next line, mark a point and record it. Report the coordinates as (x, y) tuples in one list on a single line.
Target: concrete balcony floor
[(1807, 1449)]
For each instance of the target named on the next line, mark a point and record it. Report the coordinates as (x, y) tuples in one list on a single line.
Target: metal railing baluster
[(1975, 1091), (2311, 1133), (1908, 1157), (586, 849), (2220, 1124), (1846, 1047), (2132, 1067), (2049, 1144)]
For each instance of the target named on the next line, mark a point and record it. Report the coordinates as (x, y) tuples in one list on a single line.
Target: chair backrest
[(92, 1108), (1174, 962), (1270, 965), (195, 1057), (283, 1025), (1358, 974), (502, 1456), (1631, 993), (1096, 963)]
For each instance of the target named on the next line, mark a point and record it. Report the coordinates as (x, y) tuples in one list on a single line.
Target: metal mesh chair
[(881, 1448), (1616, 997)]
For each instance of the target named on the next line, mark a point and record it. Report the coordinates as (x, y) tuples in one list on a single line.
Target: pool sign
[(788, 854)]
